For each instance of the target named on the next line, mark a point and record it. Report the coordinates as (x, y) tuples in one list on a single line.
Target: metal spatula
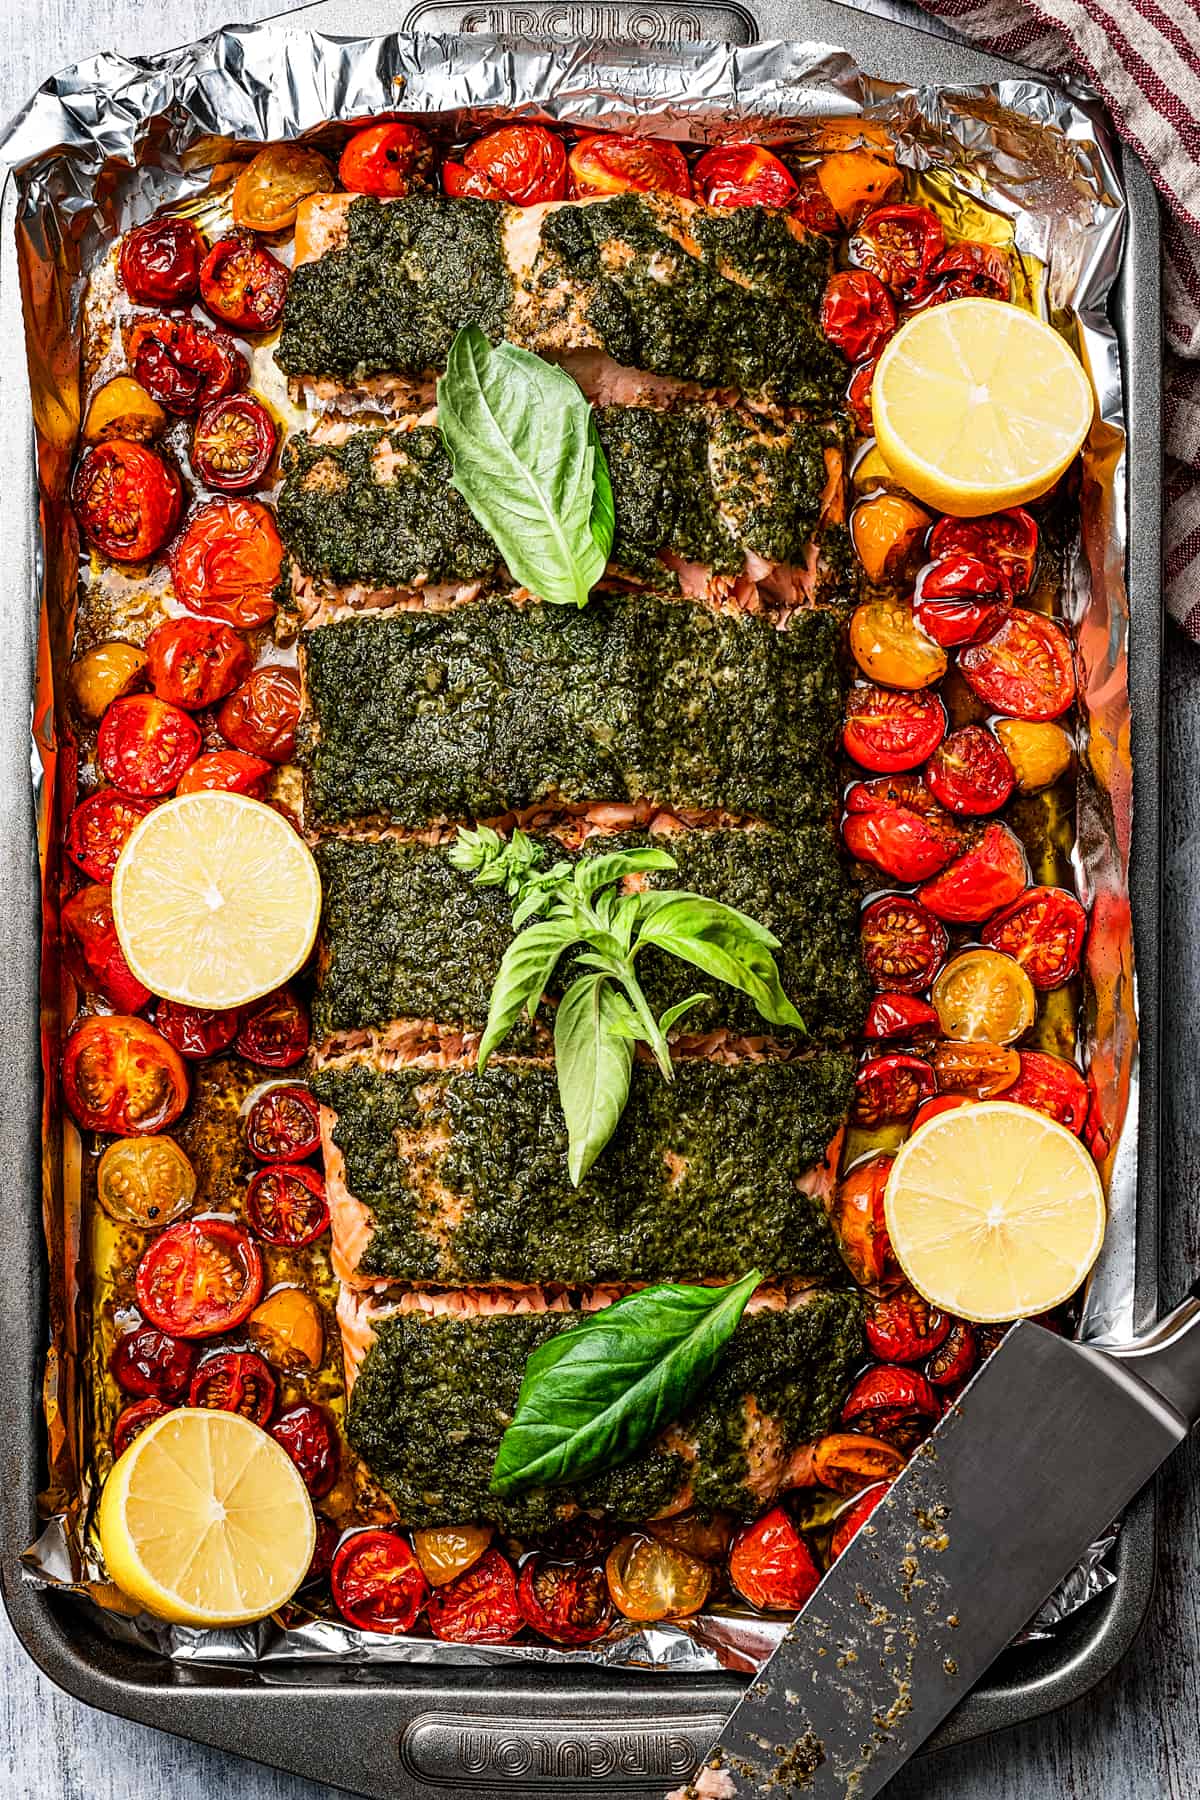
[(1039, 1454)]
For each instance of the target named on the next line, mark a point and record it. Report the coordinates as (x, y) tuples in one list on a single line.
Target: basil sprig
[(604, 1013), (528, 463), (592, 1395)]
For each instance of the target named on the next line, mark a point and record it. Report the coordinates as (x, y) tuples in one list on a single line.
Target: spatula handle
[(1168, 1356)]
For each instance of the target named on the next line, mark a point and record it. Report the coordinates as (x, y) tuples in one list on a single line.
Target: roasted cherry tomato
[(1044, 929), (1023, 668), (888, 1089), (260, 718), (899, 244), (984, 997), (183, 365), (120, 1076), (127, 499), (892, 1402), (144, 744), (133, 1421), (812, 205), (234, 1381), (858, 315), (274, 1031), (955, 1356), (376, 1582), (328, 1538), (970, 269), (888, 645), (479, 1607), (201, 1277), (242, 285), (93, 951), (907, 837), (932, 1109), (274, 182), (649, 1580), (284, 1125), (308, 1435), (523, 164), (855, 1517), (195, 662), (226, 772), (98, 828), (847, 1461), (744, 175), (899, 1015), (1006, 540), (195, 1031), (150, 1362), (889, 729), (1040, 754), (226, 562), (566, 1602), (146, 1182), (885, 531), (904, 1328), (611, 164), (286, 1205), (160, 262), (387, 159), (858, 1221), (288, 1329), (445, 1551), (858, 398), (903, 945), (969, 773), (979, 883), (958, 600), (233, 443), (770, 1564), (1053, 1086), (122, 408), (105, 673), (974, 1071), (706, 1538)]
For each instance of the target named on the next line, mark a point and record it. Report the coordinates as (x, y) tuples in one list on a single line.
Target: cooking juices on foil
[(1052, 207)]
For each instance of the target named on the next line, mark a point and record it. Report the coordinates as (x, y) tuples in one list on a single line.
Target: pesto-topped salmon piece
[(493, 708), (435, 1393), (455, 1177)]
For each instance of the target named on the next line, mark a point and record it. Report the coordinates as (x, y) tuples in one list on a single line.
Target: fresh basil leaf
[(525, 968), (698, 912), (674, 1013), (595, 1393), (593, 1058), (714, 938), (528, 463), (594, 872)]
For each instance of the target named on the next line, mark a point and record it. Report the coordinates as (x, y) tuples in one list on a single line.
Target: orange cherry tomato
[(649, 1580), (984, 996), (386, 160), (523, 164), (274, 182), (226, 772), (609, 164), (121, 1076), (227, 560), (199, 1278), (770, 1564), (847, 1462), (376, 1583), (744, 175), (144, 744), (889, 646), (445, 1551), (127, 499), (975, 1071), (885, 531), (858, 1221)]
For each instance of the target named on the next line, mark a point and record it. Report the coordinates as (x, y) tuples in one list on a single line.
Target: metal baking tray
[(419, 1731)]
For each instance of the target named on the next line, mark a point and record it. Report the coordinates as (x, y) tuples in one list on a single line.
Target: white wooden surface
[(1137, 1737)]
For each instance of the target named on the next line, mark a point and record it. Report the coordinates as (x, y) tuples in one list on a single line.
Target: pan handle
[(1167, 1357)]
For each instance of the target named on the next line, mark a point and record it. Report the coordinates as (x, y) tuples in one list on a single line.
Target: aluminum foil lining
[(103, 144)]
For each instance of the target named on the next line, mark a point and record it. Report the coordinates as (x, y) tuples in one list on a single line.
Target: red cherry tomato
[(233, 443), (195, 1031), (1006, 540), (183, 365), (856, 1516), (260, 718), (286, 1205), (523, 164), (160, 262), (93, 951), (858, 315), (979, 883), (226, 772), (899, 1015), (1044, 929), (969, 773), (744, 175), (133, 1420), (377, 1582), (566, 1602), (98, 828), (888, 1089), (386, 159), (284, 1125), (150, 1362), (227, 560), (479, 1606), (308, 1435), (770, 1564), (199, 1278), (242, 285), (931, 1108), (195, 662), (813, 207), (120, 1076), (1052, 1086), (858, 1220), (951, 599), (274, 1031), (891, 1402), (897, 827), (611, 164), (144, 745), (858, 398), (903, 945), (127, 499), (899, 244), (234, 1381), (904, 1328), (328, 1538), (955, 1357), (889, 729), (965, 269)]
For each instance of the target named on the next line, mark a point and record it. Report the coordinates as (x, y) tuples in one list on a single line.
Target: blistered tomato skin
[(226, 772), (523, 164), (261, 717), (193, 663), (1053, 1086), (608, 163), (970, 269), (376, 1583), (183, 365), (385, 160), (771, 1566), (899, 1015), (225, 563), (979, 883), (1008, 540), (160, 262), (1044, 929), (119, 1075), (274, 1031), (859, 1224), (306, 1433), (899, 244), (242, 285), (899, 831), (889, 730), (856, 1516), (151, 1363), (969, 773), (744, 175), (858, 315), (133, 1420), (893, 1402), (93, 951), (195, 1031)]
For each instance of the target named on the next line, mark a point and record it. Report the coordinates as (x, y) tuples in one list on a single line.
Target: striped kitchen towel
[(1143, 58)]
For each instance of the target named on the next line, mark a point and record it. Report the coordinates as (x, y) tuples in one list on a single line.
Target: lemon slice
[(994, 1211), (978, 406), (216, 899), (205, 1520)]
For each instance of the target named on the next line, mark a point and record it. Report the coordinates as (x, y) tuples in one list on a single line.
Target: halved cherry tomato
[(812, 205), (649, 1580), (127, 499), (120, 1076), (707, 1538), (98, 828), (275, 181), (889, 729), (744, 175), (386, 160), (951, 600), (974, 1071), (983, 996), (479, 1607), (183, 365), (891, 1402), (195, 1031), (376, 1582), (612, 164), (523, 164), (858, 398), (933, 1108), (274, 1031), (226, 772), (979, 883), (885, 531), (847, 1461), (260, 718), (105, 673), (1040, 754), (160, 262), (566, 1602), (888, 645), (308, 1435), (133, 1420), (147, 1361), (1053, 1086), (856, 1516), (233, 443), (146, 1182), (904, 1328), (1024, 668), (898, 827), (286, 1205), (234, 1381), (284, 1125), (982, 270), (899, 244), (144, 744), (888, 1089), (201, 1277), (288, 1329), (858, 1222), (969, 773), (92, 950), (899, 1015), (1007, 540), (1044, 929), (903, 945), (955, 1356), (445, 1551), (227, 560), (858, 315), (770, 1564), (195, 662), (242, 285)]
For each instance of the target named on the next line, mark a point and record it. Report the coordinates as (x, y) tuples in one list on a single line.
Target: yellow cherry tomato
[(145, 1181), (885, 531), (103, 674), (984, 996), (650, 1581), (1039, 753), (122, 409), (273, 183), (445, 1551), (287, 1328), (889, 646)]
